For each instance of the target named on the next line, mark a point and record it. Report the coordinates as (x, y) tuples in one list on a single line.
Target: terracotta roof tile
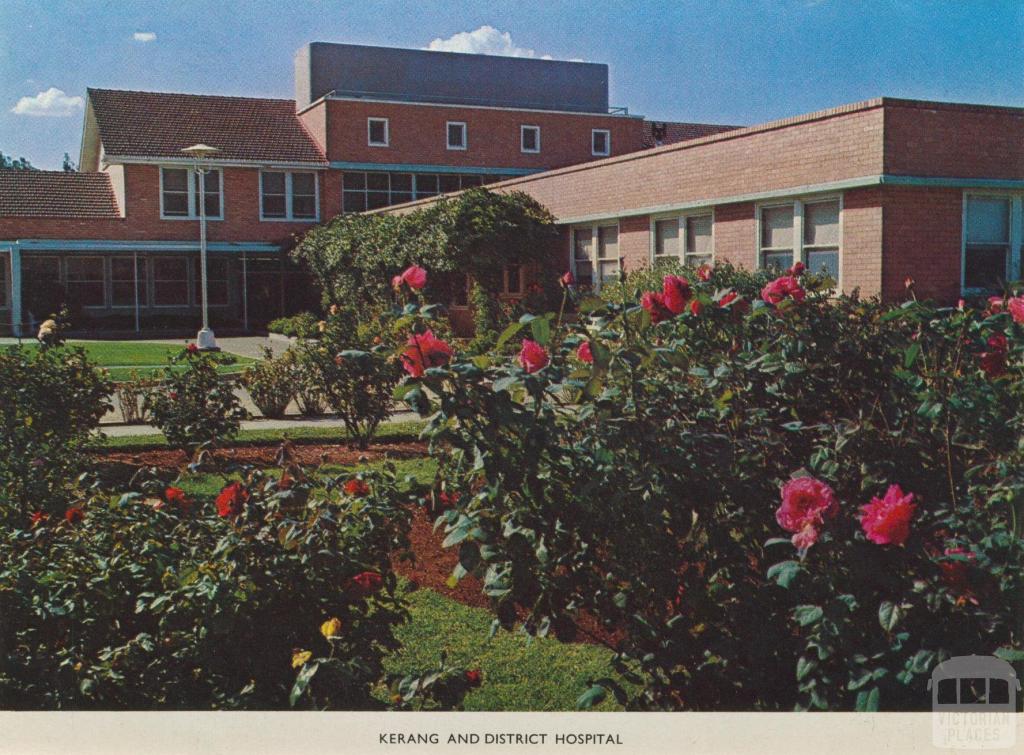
[(679, 132), (157, 124), (56, 194)]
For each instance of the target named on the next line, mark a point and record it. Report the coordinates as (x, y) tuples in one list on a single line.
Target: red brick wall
[(921, 238), (847, 144), (417, 135), (929, 139), (635, 242), (735, 234), (861, 241), (142, 213)]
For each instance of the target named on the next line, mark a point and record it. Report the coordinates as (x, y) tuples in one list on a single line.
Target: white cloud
[(144, 36), (53, 102), (484, 41)]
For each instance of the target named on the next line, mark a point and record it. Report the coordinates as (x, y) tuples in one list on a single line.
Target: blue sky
[(724, 61)]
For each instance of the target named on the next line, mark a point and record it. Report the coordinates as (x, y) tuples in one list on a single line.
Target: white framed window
[(377, 132), (595, 254), (368, 191), (992, 233), (688, 239), (600, 142), (85, 281), (289, 195), (801, 230), (179, 194), (456, 135), (529, 139)]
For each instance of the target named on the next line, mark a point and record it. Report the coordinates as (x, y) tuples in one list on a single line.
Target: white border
[(193, 192), (387, 132), (522, 145), (465, 136), (289, 195), (607, 142)]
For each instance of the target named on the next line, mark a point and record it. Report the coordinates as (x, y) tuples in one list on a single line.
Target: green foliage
[(642, 488), (150, 603), (302, 325), (195, 406), (52, 401), (7, 162), (477, 232), (487, 320), (723, 275), (271, 382)]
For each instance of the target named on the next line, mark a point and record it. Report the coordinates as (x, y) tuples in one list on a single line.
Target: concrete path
[(120, 431)]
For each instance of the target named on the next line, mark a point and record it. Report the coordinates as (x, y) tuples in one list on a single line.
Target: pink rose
[(781, 288), (415, 277), (1016, 307), (584, 354), (533, 356), (797, 270), (886, 521), (567, 280), (806, 502), (396, 282), (675, 293), (993, 361)]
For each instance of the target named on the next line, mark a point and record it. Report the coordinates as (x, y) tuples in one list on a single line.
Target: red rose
[(357, 488), (74, 515), (696, 307), (423, 352), (733, 298), (173, 395), (675, 293), (1016, 307), (474, 678), (231, 500), (365, 584), (956, 573), (886, 521), (993, 361), (533, 356), (806, 502), (704, 272), (38, 518), (177, 496), (567, 280), (781, 288), (996, 305), (797, 270), (414, 277), (584, 354), (654, 303), (449, 499)]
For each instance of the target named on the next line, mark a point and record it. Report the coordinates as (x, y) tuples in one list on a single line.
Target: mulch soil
[(432, 565)]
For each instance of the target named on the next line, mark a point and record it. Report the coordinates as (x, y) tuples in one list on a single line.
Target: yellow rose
[(322, 326), (331, 628), (300, 658)]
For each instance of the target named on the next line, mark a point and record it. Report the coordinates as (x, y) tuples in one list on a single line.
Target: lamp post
[(204, 338)]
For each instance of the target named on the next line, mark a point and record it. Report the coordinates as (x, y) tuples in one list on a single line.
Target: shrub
[(53, 399), (271, 383), (309, 391), (194, 405), (302, 325), (640, 464), (156, 601), (131, 397)]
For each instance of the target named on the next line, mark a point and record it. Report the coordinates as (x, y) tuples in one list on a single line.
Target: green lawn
[(389, 431), (121, 357)]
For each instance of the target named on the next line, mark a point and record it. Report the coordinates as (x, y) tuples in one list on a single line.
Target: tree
[(15, 163), (69, 165)]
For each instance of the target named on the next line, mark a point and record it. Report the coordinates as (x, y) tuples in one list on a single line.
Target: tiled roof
[(156, 124), (56, 194), (680, 132)]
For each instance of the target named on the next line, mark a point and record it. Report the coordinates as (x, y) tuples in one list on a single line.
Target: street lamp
[(204, 338)]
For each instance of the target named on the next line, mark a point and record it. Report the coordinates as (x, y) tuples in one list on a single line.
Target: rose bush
[(779, 497), (157, 601)]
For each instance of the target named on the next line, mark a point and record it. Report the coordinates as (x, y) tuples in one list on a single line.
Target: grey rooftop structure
[(386, 73)]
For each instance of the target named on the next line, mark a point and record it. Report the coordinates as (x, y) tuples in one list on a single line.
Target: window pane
[(584, 273), (397, 197), (175, 204), (947, 692), (426, 185), (303, 206), (170, 293), (824, 261), (122, 273), (512, 278), (84, 269), (696, 260), (212, 181), (666, 237), (376, 199), (175, 179), (529, 139), (354, 201), (273, 206), (304, 183), (212, 203), (779, 260), (608, 243), (985, 266), (988, 220), (821, 224), (456, 135), (582, 243), (377, 181), (449, 183), (972, 691), (777, 227), (470, 181), (698, 235), (609, 270), (600, 142), (273, 183), (998, 692), (378, 132), (353, 180), (401, 182)]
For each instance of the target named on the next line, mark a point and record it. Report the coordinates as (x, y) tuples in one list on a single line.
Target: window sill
[(190, 217), (290, 220)]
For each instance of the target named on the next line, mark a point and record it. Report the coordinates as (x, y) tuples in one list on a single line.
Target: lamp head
[(199, 151)]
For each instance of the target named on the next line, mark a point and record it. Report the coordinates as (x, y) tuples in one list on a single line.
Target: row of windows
[(456, 135), (105, 282), (370, 191), (993, 236)]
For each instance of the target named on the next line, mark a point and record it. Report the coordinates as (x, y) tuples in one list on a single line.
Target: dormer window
[(377, 132), (179, 194)]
